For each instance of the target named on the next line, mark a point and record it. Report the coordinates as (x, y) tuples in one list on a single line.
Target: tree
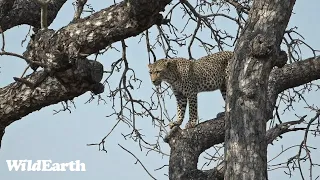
[(261, 75)]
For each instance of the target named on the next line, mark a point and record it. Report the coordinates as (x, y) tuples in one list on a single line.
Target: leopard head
[(160, 71)]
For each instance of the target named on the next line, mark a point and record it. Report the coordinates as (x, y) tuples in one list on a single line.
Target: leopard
[(188, 77)]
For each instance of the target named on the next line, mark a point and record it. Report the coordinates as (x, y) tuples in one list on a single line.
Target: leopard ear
[(170, 64)]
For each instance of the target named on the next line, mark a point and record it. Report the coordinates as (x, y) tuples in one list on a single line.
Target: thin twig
[(138, 161)]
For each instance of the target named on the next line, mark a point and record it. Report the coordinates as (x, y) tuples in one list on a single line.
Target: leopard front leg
[(223, 90), (193, 111), (181, 108)]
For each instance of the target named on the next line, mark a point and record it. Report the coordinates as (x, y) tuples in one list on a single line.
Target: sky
[(63, 137)]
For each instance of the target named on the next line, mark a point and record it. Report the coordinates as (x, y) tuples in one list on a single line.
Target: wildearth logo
[(44, 165)]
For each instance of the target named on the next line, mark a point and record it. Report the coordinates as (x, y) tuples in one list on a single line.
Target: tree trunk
[(255, 55)]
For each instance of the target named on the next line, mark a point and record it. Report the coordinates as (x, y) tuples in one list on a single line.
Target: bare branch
[(79, 9), (3, 40), (138, 160)]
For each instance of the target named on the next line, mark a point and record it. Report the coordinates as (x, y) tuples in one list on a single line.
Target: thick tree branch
[(295, 74), (112, 24), (186, 146), (93, 33), (66, 73), (57, 50), (18, 100), (292, 75), (18, 12)]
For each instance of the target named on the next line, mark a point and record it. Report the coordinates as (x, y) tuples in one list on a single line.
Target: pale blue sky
[(63, 137)]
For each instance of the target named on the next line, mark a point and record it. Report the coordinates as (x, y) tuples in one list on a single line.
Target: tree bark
[(186, 146), (18, 100), (63, 53), (291, 75), (256, 53), (18, 12)]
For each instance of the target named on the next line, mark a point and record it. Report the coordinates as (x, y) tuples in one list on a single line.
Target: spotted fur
[(187, 78)]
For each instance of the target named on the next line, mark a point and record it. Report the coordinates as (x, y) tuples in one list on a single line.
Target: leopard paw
[(173, 124), (190, 125)]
